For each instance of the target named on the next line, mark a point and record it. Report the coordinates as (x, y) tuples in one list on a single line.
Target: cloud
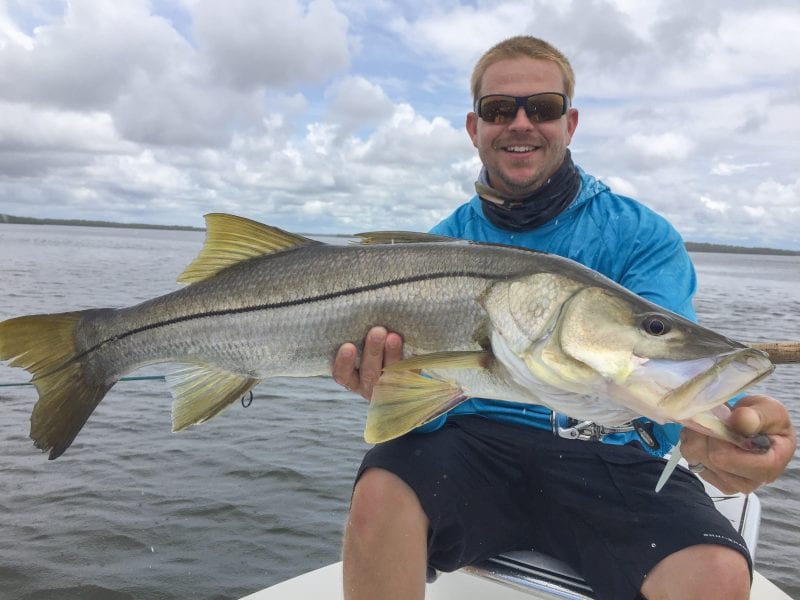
[(174, 109), (714, 206), (622, 186), (85, 60), (27, 129), (656, 149), (251, 43), (157, 86), (724, 168), (355, 101), (460, 33), (336, 115)]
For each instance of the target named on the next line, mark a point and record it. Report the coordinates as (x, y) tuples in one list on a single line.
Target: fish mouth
[(689, 387)]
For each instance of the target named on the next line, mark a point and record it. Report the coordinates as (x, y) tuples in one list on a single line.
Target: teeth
[(520, 148)]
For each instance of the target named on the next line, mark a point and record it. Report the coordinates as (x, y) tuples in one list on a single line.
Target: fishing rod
[(132, 378), (780, 353)]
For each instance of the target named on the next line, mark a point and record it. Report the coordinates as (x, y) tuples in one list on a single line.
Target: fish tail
[(46, 346)]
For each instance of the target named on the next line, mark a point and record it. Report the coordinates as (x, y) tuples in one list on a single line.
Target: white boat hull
[(326, 584)]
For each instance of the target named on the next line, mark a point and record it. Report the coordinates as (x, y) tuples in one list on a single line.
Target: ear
[(572, 123), (472, 127)]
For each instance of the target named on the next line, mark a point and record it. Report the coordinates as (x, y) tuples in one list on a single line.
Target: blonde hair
[(523, 46)]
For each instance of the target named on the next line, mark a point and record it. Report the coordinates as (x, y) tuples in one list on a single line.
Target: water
[(259, 494)]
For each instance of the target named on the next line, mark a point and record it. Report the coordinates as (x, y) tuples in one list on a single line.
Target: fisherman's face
[(522, 155)]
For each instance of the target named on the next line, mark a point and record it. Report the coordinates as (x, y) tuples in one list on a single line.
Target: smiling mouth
[(519, 149)]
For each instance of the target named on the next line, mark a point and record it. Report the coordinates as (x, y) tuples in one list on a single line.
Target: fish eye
[(656, 325)]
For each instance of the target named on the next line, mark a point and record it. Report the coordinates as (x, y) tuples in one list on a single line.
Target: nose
[(521, 120)]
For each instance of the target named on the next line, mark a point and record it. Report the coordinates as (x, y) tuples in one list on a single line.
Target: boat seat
[(530, 570)]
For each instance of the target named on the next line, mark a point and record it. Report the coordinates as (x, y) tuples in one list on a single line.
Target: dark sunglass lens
[(545, 107), (498, 110)]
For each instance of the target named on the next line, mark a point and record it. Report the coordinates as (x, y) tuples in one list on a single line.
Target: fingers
[(760, 414), (344, 369), (722, 462), (381, 348), (372, 360), (394, 348), (731, 468)]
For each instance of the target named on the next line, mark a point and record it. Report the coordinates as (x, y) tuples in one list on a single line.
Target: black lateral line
[(288, 303)]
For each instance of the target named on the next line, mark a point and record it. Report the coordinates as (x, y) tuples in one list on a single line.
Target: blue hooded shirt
[(612, 234)]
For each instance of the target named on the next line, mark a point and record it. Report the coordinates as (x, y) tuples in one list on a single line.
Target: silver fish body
[(286, 314), (481, 320)]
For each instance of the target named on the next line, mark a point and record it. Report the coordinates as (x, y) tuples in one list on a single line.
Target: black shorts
[(489, 487)]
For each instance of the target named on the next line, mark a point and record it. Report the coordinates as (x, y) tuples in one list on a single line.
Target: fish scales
[(478, 319), (271, 315)]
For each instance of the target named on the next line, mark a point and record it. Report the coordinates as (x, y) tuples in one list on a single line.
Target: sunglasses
[(501, 109)]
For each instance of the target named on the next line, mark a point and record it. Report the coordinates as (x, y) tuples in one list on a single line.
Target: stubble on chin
[(516, 187)]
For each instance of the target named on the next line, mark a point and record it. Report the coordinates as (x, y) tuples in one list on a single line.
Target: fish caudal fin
[(45, 346), (201, 393), (403, 400)]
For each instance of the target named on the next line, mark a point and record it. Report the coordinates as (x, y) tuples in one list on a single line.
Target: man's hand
[(381, 348), (732, 469)]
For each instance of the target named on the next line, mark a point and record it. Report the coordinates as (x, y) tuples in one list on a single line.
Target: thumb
[(759, 414)]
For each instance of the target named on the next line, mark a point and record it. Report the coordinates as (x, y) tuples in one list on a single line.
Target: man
[(491, 476)]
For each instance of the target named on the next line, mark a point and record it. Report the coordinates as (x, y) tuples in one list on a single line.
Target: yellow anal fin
[(444, 360), (201, 393), (44, 345), (403, 400), (231, 240)]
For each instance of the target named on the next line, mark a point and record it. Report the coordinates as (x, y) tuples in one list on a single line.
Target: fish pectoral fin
[(444, 360), (231, 239), (403, 400), (201, 393)]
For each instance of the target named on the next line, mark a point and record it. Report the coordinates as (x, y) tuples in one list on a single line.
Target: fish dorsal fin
[(400, 237), (231, 239)]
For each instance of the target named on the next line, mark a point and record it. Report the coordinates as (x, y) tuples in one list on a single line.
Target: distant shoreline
[(690, 246), (12, 220)]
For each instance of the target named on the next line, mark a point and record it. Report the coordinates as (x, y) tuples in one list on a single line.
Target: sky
[(338, 116)]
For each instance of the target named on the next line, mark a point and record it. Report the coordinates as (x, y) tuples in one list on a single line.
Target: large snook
[(482, 320)]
